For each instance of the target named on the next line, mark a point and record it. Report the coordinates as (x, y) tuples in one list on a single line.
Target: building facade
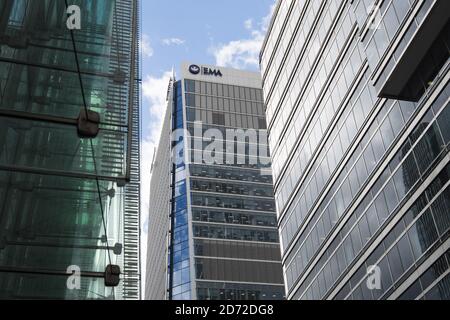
[(69, 149), (356, 96), (222, 240), (159, 211)]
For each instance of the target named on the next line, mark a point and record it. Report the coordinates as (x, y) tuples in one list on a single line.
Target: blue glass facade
[(179, 259)]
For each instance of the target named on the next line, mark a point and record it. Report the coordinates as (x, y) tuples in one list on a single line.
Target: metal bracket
[(111, 193), (112, 276), (88, 124), (104, 239), (117, 249), (121, 183)]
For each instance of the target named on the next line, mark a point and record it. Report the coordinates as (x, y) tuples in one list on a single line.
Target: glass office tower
[(69, 150), (222, 240), (358, 118)]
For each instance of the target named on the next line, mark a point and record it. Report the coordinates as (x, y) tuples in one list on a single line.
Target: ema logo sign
[(195, 69)]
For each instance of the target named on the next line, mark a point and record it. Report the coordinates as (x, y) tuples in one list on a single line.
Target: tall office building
[(159, 215), (215, 201), (358, 120), (69, 149)]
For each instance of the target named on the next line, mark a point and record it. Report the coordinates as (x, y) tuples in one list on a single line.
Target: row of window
[(311, 70), (327, 162), (233, 174), (362, 9), (231, 217), (233, 203), (275, 54), (214, 157), (408, 249), (229, 146), (230, 188), (440, 291), (238, 270), (277, 40), (182, 292), (238, 291), (329, 156), (223, 90), (226, 105), (179, 268), (303, 53), (234, 233), (237, 250), (177, 112), (196, 129), (360, 166), (233, 120), (377, 206), (434, 203), (350, 179), (388, 18), (425, 285), (321, 111)]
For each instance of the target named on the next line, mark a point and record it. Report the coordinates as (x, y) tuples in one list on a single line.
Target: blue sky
[(200, 25), (222, 32)]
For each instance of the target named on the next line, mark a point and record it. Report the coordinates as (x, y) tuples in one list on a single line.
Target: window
[(218, 118), (190, 86)]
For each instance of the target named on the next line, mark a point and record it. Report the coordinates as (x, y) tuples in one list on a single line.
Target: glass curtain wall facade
[(223, 241), (69, 150), (357, 108)]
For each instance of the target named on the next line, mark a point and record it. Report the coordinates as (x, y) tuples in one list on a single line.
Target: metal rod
[(56, 245), (24, 270), (55, 68), (61, 173), (37, 117)]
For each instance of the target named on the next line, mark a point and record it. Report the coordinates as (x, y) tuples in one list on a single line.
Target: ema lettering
[(206, 71), (212, 72)]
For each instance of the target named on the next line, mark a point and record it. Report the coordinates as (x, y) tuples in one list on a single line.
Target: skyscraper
[(69, 149), (358, 120), (215, 203)]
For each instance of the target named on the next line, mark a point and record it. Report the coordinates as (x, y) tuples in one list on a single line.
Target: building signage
[(206, 71)]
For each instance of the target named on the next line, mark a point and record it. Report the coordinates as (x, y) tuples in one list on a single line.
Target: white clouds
[(154, 91), (266, 20), (248, 24), (239, 54), (147, 50), (173, 41), (243, 53)]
